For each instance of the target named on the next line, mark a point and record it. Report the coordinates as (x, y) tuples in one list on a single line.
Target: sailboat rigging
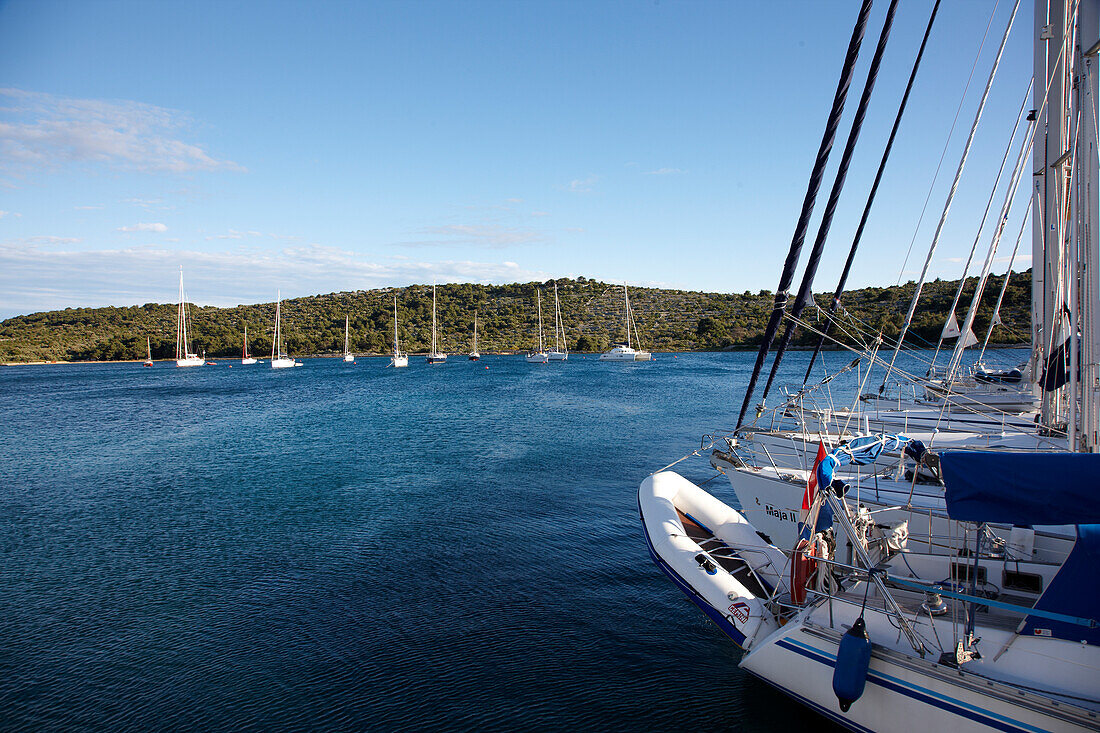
[(474, 355), (627, 352), (279, 358), (560, 352), (540, 356), (149, 352), (184, 356), (398, 359), (245, 358), (435, 356), (348, 356)]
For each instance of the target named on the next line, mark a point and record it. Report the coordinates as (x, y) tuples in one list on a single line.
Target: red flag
[(811, 484)]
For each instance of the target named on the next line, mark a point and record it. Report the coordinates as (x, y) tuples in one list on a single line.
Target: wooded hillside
[(668, 320)]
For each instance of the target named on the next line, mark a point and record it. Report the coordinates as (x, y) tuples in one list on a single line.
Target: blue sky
[(319, 147)]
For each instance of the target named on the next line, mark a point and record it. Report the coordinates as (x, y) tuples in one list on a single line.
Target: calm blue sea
[(357, 547)]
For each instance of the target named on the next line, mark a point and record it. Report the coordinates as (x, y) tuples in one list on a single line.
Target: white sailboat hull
[(248, 361), (437, 358), (1034, 683), (620, 353), (284, 363), (399, 360), (190, 361), (349, 358), (903, 692), (558, 356), (538, 358), (773, 499)]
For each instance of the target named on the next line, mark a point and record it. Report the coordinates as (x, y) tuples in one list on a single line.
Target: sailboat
[(964, 600), (626, 352), (348, 356), (540, 356), (245, 358), (279, 359), (398, 359), (560, 352), (474, 355), (434, 356), (149, 351), (184, 356)]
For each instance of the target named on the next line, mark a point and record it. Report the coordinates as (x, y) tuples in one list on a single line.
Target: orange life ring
[(803, 569)]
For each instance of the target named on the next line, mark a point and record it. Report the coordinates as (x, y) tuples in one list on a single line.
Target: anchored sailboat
[(474, 355), (245, 358), (560, 352), (279, 358), (627, 352), (540, 356), (435, 356), (348, 356), (149, 351), (184, 356), (398, 359)]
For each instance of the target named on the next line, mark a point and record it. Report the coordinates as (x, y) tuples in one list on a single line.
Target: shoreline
[(726, 350)]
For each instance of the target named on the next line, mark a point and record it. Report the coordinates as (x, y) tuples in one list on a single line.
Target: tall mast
[(557, 319), (475, 331), (347, 318), (244, 349), (396, 350), (626, 298), (434, 350), (181, 324), (538, 294), (275, 349)]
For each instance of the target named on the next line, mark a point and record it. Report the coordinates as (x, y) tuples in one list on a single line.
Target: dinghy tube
[(718, 559)]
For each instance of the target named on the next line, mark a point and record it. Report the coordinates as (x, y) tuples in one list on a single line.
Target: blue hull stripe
[(713, 614), (921, 694)]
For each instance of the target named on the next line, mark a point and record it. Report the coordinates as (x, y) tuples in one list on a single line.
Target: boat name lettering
[(779, 514)]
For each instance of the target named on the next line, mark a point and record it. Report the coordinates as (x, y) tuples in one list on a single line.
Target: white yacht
[(184, 356), (435, 356), (279, 358), (540, 356), (475, 355), (246, 359), (560, 352), (348, 356), (627, 352), (398, 359)]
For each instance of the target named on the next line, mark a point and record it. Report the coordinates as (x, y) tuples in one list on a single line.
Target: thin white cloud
[(8, 213), (514, 201), (145, 227), (663, 172), (42, 239), (34, 278), (44, 131), (583, 185), (540, 213), (483, 235), (237, 234)]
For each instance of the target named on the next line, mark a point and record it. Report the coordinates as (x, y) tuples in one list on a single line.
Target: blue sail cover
[(1073, 591), (1038, 488), (1022, 488)]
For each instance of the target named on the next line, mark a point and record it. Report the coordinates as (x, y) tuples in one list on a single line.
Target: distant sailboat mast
[(626, 298), (434, 349), (538, 294), (244, 348)]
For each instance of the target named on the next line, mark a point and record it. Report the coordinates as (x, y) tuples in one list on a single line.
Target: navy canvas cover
[(1073, 592), (1022, 488)]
